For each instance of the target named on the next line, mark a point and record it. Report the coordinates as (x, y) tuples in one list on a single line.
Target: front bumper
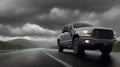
[(96, 43)]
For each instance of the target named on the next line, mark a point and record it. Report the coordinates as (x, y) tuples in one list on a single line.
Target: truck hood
[(91, 28)]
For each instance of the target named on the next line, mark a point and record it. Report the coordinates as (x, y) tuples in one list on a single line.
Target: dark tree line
[(8, 45)]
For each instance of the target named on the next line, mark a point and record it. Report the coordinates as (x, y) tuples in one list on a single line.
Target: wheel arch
[(74, 36), (58, 41)]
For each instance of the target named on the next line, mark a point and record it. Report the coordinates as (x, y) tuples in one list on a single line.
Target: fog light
[(87, 41)]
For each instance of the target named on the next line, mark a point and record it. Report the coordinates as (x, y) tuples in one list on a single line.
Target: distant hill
[(34, 44), (23, 42)]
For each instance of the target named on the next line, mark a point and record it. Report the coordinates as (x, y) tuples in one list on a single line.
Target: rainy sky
[(44, 19)]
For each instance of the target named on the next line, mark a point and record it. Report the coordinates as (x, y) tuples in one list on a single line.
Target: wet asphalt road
[(40, 57)]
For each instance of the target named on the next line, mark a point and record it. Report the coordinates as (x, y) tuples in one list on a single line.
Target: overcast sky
[(44, 19)]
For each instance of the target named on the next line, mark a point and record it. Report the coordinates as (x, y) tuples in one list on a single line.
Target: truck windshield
[(78, 25)]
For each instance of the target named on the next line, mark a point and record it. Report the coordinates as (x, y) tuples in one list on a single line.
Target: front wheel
[(106, 50), (76, 48), (60, 49)]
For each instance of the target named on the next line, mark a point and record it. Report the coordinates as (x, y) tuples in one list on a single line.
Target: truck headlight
[(87, 41), (85, 32)]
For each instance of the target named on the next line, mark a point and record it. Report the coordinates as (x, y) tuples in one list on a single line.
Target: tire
[(106, 50), (60, 49), (76, 47)]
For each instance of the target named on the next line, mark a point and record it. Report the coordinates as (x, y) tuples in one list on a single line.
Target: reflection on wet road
[(40, 57)]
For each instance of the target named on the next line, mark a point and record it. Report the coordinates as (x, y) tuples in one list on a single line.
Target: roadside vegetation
[(10, 46), (117, 47)]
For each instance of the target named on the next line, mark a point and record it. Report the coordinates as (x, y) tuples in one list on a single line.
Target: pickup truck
[(84, 36)]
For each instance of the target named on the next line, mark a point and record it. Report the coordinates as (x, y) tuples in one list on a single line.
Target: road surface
[(40, 57)]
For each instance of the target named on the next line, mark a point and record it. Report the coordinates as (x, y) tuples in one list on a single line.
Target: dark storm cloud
[(58, 17), (16, 12), (52, 14)]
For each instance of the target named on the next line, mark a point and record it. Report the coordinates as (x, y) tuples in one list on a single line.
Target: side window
[(65, 29), (69, 28)]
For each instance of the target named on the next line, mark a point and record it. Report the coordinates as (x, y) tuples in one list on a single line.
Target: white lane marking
[(60, 61)]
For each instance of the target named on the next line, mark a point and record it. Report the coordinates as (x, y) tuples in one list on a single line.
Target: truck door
[(68, 36)]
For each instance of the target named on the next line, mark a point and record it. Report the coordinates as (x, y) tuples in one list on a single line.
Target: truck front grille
[(103, 34)]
